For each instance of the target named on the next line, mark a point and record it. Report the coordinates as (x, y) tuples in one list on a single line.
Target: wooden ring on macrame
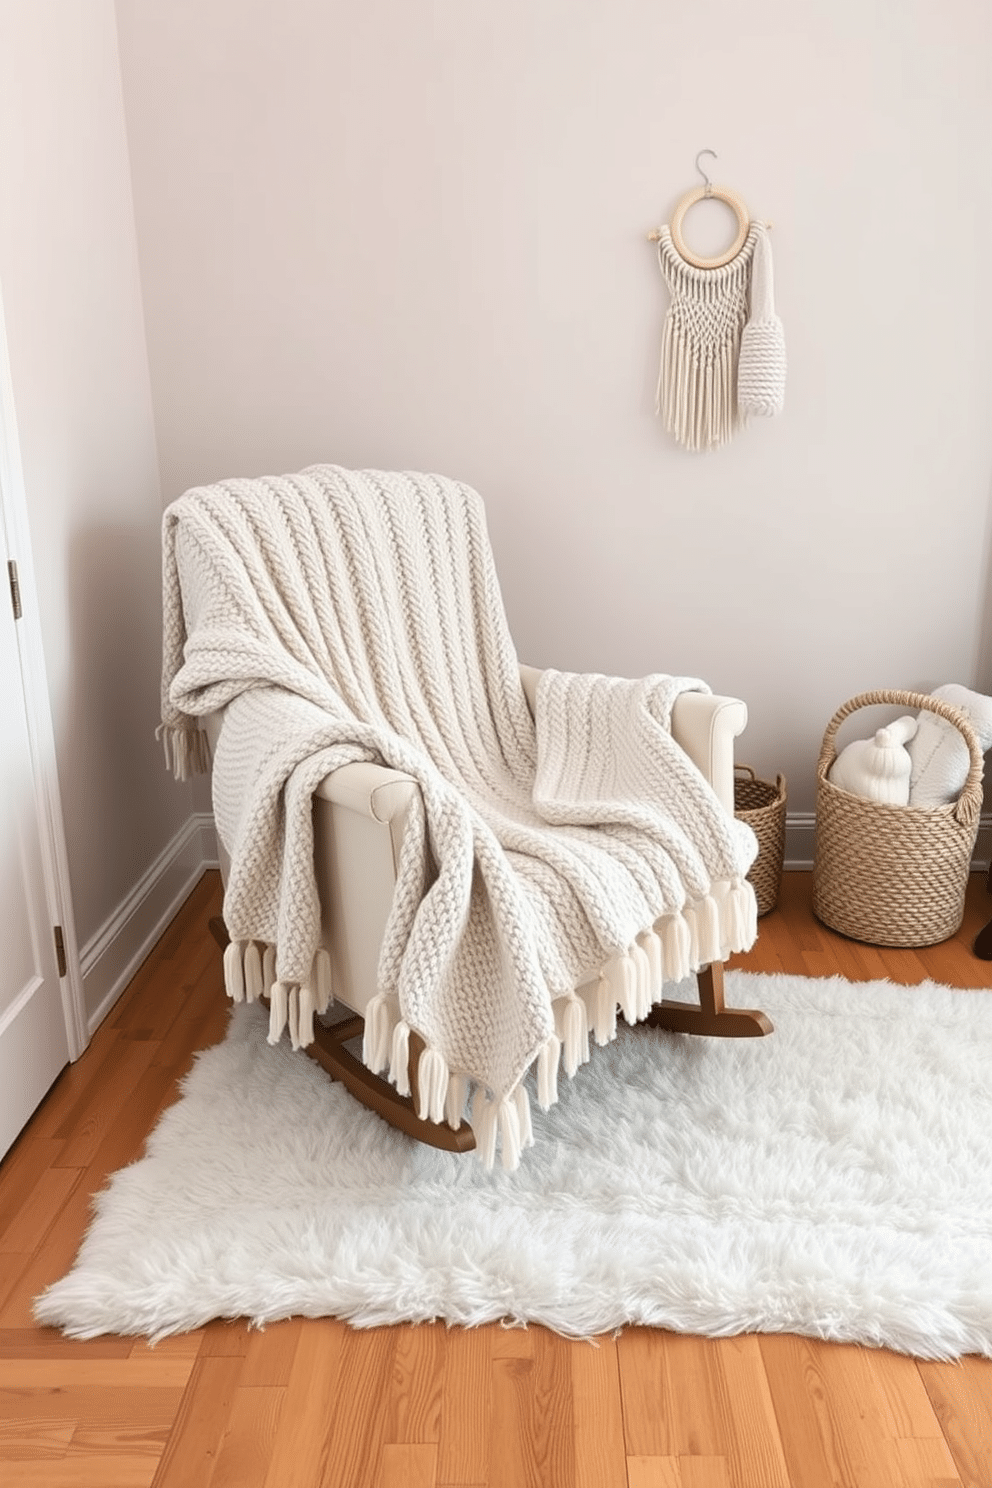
[(733, 201)]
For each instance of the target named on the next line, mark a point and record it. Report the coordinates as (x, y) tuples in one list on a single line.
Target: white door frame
[(37, 705)]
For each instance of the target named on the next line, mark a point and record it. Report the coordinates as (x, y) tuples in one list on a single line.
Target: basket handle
[(969, 803), (747, 769)]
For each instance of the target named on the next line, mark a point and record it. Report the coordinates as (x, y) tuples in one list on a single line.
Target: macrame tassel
[(485, 1115), (399, 1065), (650, 944), (509, 1134), (620, 974), (750, 914), (293, 1014), (278, 1010), (377, 1034), (187, 749), (322, 980), (547, 1074), (454, 1100), (268, 968), (642, 981), (704, 929), (574, 1034), (234, 970), (253, 972), (432, 1085), (676, 944), (308, 1008), (604, 1017), (522, 1100)]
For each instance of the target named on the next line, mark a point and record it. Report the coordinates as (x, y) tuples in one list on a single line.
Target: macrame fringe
[(507, 1120), (572, 1028), (708, 929), (432, 1085), (381, 1016), (249, 973), (547, 1072), (187, 749), (697, 380), (399, 1062), (454, 1100), (604, 1011), (252, 972)]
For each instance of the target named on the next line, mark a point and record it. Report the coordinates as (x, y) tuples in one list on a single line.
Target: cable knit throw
[(342, 616)]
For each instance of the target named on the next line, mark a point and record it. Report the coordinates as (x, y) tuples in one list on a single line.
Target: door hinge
[(60, 951), (15, 589)]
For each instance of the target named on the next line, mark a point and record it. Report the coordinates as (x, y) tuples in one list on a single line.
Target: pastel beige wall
[(72, 300), (413, 233)]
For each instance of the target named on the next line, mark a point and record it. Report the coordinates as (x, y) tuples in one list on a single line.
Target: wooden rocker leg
[(328, 1050), (710, 1018)]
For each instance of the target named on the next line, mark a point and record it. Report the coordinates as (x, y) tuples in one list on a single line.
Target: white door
[(41, 1021), (34, 1045)]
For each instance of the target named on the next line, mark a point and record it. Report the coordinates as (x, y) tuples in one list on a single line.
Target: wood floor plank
[(597, 1412), (46, 1343), (909, 1410), (756, 1454), (30, 1156), (701, 1423), (126, 1069), (812, 1437), (194, 1443), (270, 1354), (704, 1472), (463, 1456), (414, 1415), (42, 1208), (32, 1438), (112, 1471), (654, 1472), (152, 1372), (532, 1441), (249, 1435), (408, 1465), (302, 1435), (926, 1461), (962, 1399), (358, 1423), (646, 1406)]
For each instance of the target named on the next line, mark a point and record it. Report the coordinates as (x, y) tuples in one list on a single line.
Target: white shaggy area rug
[(833, 1179)]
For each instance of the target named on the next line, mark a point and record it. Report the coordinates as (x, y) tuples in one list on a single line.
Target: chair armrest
[(704, 725), (374, 790)]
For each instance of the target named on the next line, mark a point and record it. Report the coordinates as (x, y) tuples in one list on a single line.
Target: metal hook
[(709, 183)]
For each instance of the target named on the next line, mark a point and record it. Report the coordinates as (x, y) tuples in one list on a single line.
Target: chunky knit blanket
[(553, 869)]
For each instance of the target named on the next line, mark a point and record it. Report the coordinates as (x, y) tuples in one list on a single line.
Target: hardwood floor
[(310, 1402)]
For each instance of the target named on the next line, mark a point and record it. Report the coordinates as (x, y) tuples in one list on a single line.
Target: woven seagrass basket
[(894, 875), (762, 806)]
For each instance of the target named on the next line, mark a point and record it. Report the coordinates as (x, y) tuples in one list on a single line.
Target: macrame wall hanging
[(723, 352)]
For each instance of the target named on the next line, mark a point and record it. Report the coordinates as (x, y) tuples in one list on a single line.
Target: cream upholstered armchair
[(360, 812)]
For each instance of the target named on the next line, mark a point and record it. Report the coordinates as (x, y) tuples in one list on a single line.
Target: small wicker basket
[(762, 806), (894, 875)]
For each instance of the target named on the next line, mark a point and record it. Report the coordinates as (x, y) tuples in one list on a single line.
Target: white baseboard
[(112, 956), (800, 840)]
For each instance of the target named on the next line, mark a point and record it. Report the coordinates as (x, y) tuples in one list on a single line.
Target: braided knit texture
[(341, 615)]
